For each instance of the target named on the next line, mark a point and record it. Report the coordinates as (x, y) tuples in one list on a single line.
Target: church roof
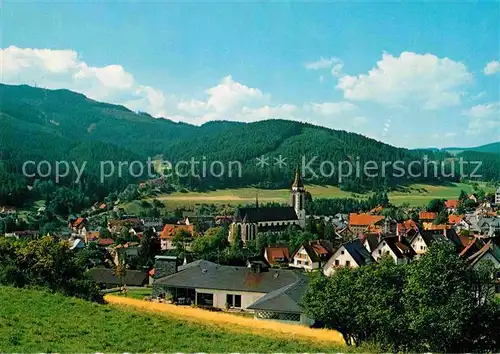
[(298, 180), (252, 215)]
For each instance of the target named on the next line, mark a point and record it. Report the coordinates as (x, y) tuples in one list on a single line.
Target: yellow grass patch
[(233, 322)]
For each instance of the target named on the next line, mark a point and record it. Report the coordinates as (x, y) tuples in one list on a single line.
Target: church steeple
[(298, 198), (297, 183)]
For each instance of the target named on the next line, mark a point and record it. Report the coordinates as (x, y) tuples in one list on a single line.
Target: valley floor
[(414, 195)]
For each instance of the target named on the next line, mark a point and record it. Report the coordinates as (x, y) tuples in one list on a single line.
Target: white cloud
[(283, 111), (492, 67), (331, 108), (483, 118), (334, 64), (230, 94), (64, 69), (227, 100), (322, 63), (422, 79)]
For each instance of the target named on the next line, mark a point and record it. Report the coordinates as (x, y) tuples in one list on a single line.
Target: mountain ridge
[(60, 124)]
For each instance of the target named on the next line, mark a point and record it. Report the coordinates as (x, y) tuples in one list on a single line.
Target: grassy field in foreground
[(233, 322), (416, 195), (37, 321)]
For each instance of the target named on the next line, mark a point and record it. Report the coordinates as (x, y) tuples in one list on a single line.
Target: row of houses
[(275, 293)]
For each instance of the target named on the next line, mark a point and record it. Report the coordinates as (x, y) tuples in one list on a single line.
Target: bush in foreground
[(45, 262), (438, 304)]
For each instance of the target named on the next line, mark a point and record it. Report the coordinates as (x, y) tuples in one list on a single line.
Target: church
[(251, 221)]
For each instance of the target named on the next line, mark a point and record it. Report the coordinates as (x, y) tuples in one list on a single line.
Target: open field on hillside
[(36, 321), (232, 322), (414, 194)]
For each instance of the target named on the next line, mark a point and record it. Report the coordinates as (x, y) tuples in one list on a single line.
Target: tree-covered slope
[(60, 124)]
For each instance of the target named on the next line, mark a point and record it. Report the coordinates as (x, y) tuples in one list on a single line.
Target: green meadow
[(413, 194), (38, 321)]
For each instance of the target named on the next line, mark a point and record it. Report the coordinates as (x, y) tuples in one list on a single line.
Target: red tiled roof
[(373, 229), (105, 241), (78, 222), (427, 215), (319, 249), (407, 225), (455, 219), (451, 203), (276, 253), (364, 219), (169, 230)]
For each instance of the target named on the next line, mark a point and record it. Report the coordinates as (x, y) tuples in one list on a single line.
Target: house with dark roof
[(311, 255), (208, 284), (350, 254), (283, 304), (397, 247), (489, 225), (107, 278), (421, 241), (475, 245), (489, 252), (248, 222), (369, 241)]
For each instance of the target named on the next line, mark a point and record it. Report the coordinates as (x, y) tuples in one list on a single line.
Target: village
[(270, 281)]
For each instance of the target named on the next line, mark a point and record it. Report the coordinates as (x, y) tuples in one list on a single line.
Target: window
[(341, 252), (205, 299), (306, 263), (337, 262), (348, 263), (234, 301), (298, 262)]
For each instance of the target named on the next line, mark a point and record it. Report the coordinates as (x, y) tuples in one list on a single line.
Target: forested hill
[(493, 148), (40, 124)]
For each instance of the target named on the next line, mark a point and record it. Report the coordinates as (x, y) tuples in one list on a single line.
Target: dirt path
[(232, 322)]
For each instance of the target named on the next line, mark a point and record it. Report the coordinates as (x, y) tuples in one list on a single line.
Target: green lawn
[(36, 321), (138, 294)]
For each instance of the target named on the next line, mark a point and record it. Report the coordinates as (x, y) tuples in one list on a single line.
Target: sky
[(410, 74)]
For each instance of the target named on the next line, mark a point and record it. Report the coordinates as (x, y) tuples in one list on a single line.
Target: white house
[(311, 255), (228, 287), (396, 247), (351, 254), (489, 252), (421, 241)]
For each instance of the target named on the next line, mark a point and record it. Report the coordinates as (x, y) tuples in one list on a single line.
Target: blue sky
[(410, 74)]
